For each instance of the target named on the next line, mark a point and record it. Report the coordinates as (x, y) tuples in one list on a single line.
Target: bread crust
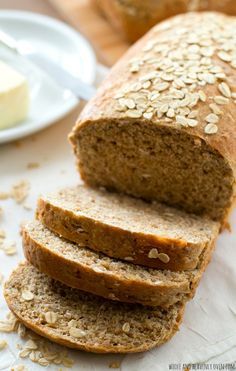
[(121, 243), (108, 283), (134, 18), (55, 335), (102, 109)]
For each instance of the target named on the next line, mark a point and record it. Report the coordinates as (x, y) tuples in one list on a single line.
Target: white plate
[(49, 102)]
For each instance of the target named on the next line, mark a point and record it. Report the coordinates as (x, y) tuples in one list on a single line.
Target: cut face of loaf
[(126, 228), (162, 126), (79, 267), (83, 321)]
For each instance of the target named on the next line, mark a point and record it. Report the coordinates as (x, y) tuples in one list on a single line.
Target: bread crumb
[(20, 191)]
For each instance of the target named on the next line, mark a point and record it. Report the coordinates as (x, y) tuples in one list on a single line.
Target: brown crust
[(119, 243), (134, 24), (106, 284), (96, 347)]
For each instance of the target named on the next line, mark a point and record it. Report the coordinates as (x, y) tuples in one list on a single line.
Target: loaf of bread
[(79, 267), (162, 126), (133, 18), (83, 321), (126, 228)]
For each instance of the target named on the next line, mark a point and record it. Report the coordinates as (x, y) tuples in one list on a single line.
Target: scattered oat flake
[(2, 234), (212, 118), (211, 129), (164, 257), (134, 113), (20, 191), (126, 327), (153, 254), (32, 165), (27, 207), (30, 344), (19, 368), (219, 99), (225, 56), (10, 249), (215, 109), (67, 362), (4, 195), (3, 344), (24, 353), (202, 95), (27, 295), (192, 122), (114, 365), (225, 89), (76, 332), (50, 317)]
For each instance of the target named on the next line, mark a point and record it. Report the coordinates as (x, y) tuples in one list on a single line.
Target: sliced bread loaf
[(162, 125), (122, 227), (82, 268), (83, 321)]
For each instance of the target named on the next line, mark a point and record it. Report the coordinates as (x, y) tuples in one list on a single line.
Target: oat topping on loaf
[(173, 89), (161, 126)]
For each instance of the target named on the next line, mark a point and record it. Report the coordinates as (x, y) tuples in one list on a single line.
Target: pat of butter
[(14, 96)]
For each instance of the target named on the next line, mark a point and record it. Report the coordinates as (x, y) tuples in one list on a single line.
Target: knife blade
[(63, 77)]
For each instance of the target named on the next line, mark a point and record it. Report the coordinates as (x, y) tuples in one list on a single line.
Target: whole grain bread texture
[(79, 267), (162, 126), (126, 228), (84, 321), (133, 18)]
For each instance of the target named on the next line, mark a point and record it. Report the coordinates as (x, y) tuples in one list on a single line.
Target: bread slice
[(82, 268), (84, 321), (122, 227), (159, 130)]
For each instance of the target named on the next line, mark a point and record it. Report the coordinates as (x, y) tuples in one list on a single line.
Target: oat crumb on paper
[(20, 191), (32, 165), (3, 344), (19, 368), (4, 195), (35, 348), (27, 207)]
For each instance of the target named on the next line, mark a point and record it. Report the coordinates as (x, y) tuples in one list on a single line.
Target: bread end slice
[(84, 321)]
